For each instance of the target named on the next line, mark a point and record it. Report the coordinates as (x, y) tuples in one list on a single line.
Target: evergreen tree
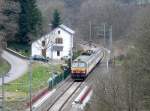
[(56, 19), (30, 21)]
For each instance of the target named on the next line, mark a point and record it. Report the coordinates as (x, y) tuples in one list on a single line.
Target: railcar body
[(84, 64)]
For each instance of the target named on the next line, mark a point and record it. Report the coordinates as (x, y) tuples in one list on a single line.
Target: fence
[(52, 82), (58, 78), (16, 54)]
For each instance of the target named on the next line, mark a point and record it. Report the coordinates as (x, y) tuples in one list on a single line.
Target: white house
[(56, 44)]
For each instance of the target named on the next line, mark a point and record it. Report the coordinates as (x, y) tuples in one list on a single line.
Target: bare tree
[(108, 91), (104, 11), (126, 88), (45, 43), (2, 18), (8, 18), (137, 63)]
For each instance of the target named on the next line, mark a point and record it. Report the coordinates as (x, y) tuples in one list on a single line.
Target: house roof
[(62, 26), (44, 36), (65, 28)]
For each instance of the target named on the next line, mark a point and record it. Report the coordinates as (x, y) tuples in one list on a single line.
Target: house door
[(44, 52), (58, 53)]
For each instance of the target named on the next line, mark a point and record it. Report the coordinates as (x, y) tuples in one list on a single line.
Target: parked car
[(40, 58), (66, 57)]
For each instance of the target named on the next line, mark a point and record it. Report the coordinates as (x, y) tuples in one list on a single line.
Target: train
[(85, 63)]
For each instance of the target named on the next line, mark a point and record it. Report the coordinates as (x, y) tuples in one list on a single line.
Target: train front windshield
[(78, 64)]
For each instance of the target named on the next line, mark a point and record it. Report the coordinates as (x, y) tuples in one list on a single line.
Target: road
[(18, 67)]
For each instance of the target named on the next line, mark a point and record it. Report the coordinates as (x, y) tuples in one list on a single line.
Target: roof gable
[(51, 34), (67, 29)]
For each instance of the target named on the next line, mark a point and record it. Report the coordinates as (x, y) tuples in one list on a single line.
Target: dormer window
[(58, 31), (43, 43), (59, 41)]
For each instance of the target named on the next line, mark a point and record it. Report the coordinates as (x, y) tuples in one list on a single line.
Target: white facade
[(55, 44)]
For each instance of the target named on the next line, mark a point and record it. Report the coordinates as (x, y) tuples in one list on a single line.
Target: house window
[(59, 41), (59, 32), (43, 43), (44, 52), (58, 53)]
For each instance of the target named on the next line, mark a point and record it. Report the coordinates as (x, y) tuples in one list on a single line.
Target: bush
[(23, 49)]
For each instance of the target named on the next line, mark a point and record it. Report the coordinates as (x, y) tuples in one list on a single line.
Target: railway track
[(67, 106), (68, 96), (60, 89), (64, 92), (62, 99)]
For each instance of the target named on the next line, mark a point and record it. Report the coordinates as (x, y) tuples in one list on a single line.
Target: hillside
[(9, 18), (76, 14)]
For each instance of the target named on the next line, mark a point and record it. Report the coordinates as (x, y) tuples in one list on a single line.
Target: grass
[(4, 66), (119, 60), (40, 75), (17, 92)]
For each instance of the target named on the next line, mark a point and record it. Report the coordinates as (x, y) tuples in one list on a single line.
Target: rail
[(60, 104), (54, 99), (44, 106), (67, 94)]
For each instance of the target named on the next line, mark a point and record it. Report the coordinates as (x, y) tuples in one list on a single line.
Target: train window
[(74, 64), (78, 64), (81, 64)]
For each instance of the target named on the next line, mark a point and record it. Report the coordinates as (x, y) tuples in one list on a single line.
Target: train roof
[(83, 58), (87, 55)]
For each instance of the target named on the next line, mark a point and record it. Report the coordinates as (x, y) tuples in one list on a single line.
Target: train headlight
[(78, 70), (82, 71)]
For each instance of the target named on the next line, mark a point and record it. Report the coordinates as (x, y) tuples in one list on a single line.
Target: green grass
[(18, 90), (119, 62), (4, 66), (40, 75)]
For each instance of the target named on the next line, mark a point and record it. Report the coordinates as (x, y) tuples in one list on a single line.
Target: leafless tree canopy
[(1, 21), (78, 13), (126, 87)]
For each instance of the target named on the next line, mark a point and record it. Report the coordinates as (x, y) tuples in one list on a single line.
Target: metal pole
[(108, 58), (90, 23), (30, 82), (110, 40), (52, 51), (71, 57), (52, 65), (52, 79), (107, 63), (3, 95), (104, 34), (71, 51)]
